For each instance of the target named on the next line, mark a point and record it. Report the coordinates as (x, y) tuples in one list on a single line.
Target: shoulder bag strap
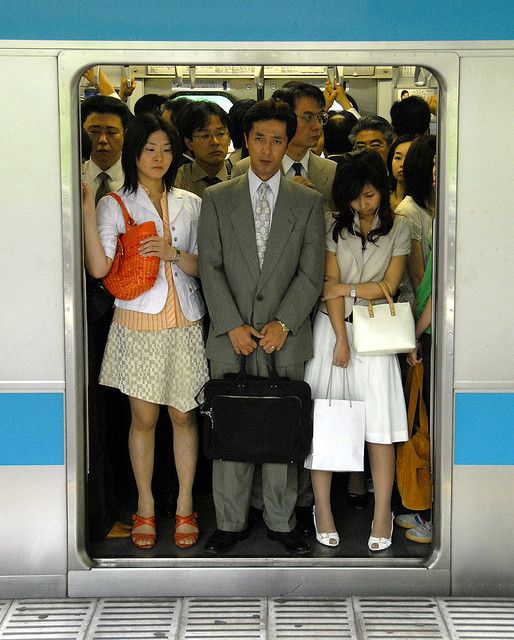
[(129, 220)]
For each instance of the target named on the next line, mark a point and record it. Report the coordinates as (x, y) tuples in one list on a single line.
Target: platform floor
[(257, 619)]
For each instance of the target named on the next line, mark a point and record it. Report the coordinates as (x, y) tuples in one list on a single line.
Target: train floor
[(191, 618), (352, 524)]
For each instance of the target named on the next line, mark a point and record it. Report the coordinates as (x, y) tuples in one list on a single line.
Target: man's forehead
[(276, 127), (370, 134), (104, 118)]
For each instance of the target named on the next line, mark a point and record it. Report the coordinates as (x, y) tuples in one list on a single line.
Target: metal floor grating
[(257, 619)]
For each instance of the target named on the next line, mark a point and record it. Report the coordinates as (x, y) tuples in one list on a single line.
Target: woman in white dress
[(366, 244)]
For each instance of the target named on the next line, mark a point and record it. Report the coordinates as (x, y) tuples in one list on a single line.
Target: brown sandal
[(179, 537), (138, 539)]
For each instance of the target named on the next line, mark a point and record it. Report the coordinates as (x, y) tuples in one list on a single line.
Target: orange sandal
[(138, 539), (193, 535)]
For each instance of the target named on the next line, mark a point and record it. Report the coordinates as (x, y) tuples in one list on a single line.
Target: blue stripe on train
[(279, 20), (31, 429), (484, 428)]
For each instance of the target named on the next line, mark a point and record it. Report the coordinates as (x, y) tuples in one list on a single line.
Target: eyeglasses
[(205, 137), (321, 117), (376, 145)]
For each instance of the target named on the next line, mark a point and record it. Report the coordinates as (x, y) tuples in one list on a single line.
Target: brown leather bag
[(413, 475), (131, 274)]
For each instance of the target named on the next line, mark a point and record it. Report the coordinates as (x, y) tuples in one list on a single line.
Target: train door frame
[(266, 576)]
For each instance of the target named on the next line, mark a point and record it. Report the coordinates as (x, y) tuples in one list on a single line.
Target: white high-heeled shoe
[(325, 538), (381, 544)]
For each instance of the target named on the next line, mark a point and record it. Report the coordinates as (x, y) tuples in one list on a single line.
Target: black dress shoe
[(292, 541), (223, 541), (304, 521)]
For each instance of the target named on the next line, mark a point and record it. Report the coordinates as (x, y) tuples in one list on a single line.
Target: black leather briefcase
[(257, 419)]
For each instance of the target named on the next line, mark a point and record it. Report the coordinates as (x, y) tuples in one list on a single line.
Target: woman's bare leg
[(382, 461), (321, 484)]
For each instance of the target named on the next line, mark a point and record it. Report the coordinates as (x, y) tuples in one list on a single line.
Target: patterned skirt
[(165, 367)]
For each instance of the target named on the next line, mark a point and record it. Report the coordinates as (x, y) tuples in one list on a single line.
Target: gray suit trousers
[(232, 481)]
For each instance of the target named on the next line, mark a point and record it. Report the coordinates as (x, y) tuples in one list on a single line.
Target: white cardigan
[(184, 210)]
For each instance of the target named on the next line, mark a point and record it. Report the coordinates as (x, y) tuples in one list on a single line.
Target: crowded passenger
[(204, 130), (149, 103), (336, 132), (365, 244), (373, 133), (337, 93), (418, 208), (154, 353), (300, 163), (261, 246), (236, 115), (410, 117), (395, 158)]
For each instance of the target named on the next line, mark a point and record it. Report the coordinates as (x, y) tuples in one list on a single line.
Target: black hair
[(136, 136), (372, 123), (390, 155), (410, 116), (236, 114), (271, 110), (106, 104), (353, 172), (175, 106), (336, 132), (195, 115), (292, 91), (149, 103), (418, 169)]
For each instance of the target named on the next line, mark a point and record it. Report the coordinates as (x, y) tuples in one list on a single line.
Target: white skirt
[(374, 379)]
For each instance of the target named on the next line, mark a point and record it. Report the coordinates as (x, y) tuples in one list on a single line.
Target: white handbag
[(338, 433), (382, 329)]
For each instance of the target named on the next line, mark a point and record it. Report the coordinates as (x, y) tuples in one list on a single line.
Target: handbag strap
[(129, 220), (273, 368), (416, 401), (387, 295)]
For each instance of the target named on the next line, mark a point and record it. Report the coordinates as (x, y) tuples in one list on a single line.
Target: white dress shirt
[(287, 165), (91, 171)]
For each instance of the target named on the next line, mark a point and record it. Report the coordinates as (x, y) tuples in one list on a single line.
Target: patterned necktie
[(104, 186), (210, 180), (262, 220), (297, 166)]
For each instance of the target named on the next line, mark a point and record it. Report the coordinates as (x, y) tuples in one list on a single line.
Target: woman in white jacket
[(154, 352)]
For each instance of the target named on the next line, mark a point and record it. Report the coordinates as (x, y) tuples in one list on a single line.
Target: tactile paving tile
[(319, 619), (135, 619), (223, 619), (48, 619), (478, 619), (399, 618)]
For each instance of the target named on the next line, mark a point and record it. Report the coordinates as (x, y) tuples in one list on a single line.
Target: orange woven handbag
[(413, 457), (131, 274)]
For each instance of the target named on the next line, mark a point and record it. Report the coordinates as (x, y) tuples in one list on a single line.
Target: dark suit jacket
[(236, 290), (321, 173)]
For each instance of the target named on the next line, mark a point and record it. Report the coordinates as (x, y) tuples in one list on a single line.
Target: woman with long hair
[(366, 244), (154, 352)]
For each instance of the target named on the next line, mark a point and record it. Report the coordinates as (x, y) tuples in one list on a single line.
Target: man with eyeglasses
[(300, 163), (373, 133), (204, 130)]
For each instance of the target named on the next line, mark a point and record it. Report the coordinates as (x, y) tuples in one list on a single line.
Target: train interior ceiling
[(111, 491)]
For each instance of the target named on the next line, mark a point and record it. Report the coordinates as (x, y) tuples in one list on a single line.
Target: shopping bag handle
[(387, 295), (346, 386)]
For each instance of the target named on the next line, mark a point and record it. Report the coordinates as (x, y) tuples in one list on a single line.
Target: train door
[(98, 461)]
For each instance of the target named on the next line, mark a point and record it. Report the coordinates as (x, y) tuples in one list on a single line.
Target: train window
[(111, 490)]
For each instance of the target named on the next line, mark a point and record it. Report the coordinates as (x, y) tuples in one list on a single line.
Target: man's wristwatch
[(282, 324), (177, 256)]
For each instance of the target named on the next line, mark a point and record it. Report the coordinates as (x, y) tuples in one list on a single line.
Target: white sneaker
[(422, 533), (409, 520)]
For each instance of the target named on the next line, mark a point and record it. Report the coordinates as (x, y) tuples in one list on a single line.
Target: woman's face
[(155, 158), (367, 202), (397, 162)]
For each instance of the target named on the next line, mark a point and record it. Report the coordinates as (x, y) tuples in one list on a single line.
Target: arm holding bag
[(131, 274)]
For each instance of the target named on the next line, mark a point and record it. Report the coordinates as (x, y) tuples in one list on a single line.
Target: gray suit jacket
[(321, 173), (236, 290)]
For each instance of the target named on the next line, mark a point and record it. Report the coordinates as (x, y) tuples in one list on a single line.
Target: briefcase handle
[(273, 368)]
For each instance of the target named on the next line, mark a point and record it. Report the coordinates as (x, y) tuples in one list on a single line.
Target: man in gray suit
[(261, 250), (299, 162)]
